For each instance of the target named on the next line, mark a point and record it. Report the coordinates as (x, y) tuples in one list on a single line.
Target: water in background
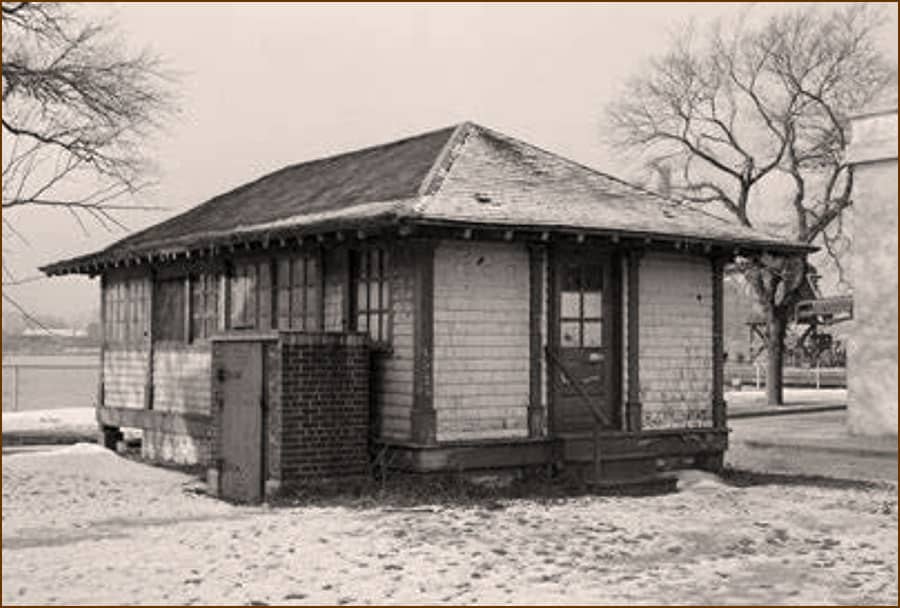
[(43, 382)]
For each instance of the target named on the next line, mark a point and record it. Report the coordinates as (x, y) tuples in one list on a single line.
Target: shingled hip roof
[(465, 175)]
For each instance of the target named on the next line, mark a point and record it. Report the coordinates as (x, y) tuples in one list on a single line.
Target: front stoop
[(629, 463), (643, 485)]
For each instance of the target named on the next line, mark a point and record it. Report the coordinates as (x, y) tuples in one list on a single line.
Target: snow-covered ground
[(754, 399), (82, 525), (63, 420)]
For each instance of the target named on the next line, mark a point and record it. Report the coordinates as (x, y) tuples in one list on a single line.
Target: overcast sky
[(263, 86)]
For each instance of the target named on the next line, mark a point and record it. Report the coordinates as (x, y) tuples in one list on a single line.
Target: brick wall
[(324, 406), (676, 316)]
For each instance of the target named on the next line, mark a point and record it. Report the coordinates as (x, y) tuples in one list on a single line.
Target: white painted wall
[(481, 340), (676, 319)]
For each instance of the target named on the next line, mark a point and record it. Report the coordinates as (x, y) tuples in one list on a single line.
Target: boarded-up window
[(169, 310), (371, 298), (299, 292), (204, 305), (251, 295), (125, 310)]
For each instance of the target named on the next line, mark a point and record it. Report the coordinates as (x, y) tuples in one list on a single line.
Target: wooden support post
[(320, 254), (187, 308), (424, 417), (535, 311), (101, 390), (718, 396), (552, 303), (151, 330), (633, 406)]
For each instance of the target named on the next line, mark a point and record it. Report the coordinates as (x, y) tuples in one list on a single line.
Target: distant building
[(54, 332), (872, 355)]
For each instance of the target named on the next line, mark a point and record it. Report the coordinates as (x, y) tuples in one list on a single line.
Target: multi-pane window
[(299, 292), (372, 294), (251, 303), (125, 310), (204, 305), (581, 306)]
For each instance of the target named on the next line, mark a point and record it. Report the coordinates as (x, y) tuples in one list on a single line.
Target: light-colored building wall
[(481, 340), (676, 324), (125, 376), (872, 351), (182, 377)]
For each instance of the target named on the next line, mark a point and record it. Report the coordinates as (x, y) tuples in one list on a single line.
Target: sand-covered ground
[(82, 525)]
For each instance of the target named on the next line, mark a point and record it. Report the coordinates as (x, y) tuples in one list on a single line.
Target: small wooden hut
[(518, 309)]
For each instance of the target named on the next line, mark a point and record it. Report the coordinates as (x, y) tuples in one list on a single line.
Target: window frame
[(581, 320), (305, 295), (359, 259), (160, 321), (125, 309), (203, 315)]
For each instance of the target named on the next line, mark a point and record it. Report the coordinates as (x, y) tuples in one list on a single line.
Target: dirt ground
[(82, 525)]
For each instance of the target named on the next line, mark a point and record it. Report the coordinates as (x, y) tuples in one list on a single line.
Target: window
[(125, 310), (372, 294), (204, 305), (169, 310), (251, 303), (299, 289), (581, 306)]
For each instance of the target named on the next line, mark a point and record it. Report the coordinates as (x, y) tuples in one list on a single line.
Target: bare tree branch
[(725, 112), (77, 110)]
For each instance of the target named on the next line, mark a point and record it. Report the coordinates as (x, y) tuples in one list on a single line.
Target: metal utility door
[(240, 376), (581, 342)]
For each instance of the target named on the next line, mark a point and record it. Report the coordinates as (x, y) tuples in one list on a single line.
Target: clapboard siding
[(182, 379), (676, 317), (124, 376), (481, 340)]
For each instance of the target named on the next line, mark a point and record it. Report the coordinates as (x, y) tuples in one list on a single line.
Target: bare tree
[(77, 110), (736, 107)]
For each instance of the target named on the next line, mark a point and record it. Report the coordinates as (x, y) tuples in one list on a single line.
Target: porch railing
[(601, 419)]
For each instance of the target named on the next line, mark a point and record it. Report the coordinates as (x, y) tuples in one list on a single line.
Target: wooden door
[(241, 384), (583, 336)]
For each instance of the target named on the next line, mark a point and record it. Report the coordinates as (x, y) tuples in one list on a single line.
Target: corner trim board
[(423, 416)]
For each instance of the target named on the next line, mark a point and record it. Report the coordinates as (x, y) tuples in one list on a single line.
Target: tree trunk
[(777, 328)]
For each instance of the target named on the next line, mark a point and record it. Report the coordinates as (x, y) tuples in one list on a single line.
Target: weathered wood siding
[(676, 317), (182, 378), (393, 384), (481, 340), (126, 342), (125, 376)]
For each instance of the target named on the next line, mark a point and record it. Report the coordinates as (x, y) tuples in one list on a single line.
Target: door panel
[(240, 377), (581, 341)]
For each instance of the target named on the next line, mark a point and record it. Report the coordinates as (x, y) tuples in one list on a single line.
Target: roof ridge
[(444, 160)]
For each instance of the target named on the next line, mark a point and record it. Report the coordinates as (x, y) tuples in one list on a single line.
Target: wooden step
[(643, 485)]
